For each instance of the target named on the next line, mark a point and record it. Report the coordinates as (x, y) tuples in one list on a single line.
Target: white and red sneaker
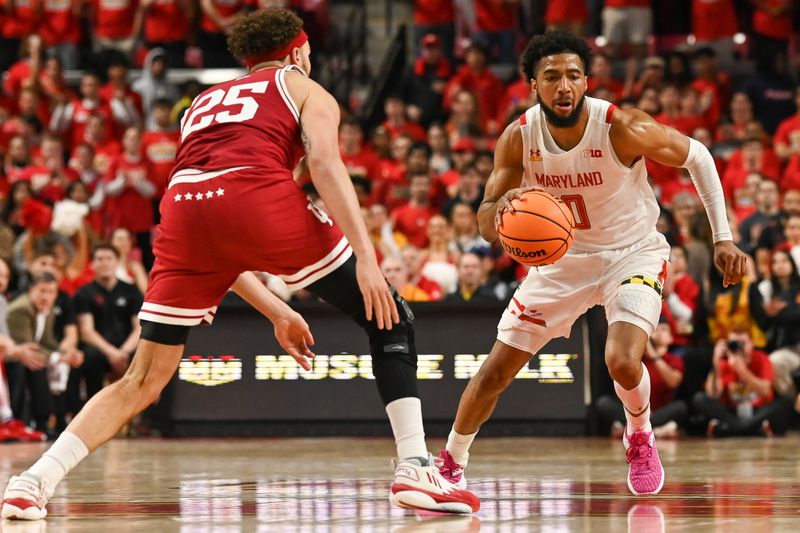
[(645, 473), (25, 498), (451, 470), (419, 485)]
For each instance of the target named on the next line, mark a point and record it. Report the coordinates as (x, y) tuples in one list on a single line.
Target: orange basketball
[(539, 230)]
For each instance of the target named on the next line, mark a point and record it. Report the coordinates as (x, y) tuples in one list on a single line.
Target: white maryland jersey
[(614, 206)]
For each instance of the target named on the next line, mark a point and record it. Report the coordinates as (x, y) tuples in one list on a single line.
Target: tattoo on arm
[(306, 141)]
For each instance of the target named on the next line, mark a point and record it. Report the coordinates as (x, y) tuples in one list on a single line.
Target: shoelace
[(640, 448), (449, 468)]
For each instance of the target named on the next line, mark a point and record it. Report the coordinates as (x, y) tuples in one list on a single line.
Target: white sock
[(637, 404), (458, 446), (405, 415), (65, 453)]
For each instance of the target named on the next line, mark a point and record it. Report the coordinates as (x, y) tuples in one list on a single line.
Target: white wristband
[(701, 168)]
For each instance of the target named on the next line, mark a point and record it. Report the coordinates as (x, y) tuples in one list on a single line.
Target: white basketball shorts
[(627, 282)]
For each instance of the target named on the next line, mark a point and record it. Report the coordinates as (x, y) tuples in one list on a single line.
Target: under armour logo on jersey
[(589, 152), (535, 155)]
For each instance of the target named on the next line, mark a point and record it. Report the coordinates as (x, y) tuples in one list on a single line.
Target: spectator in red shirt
[(397, 122), (495, 28), (628, 22), (751, 157), (166, 26), (465, 122), (218, 18), (738, 399), (114, 24), (713, 24), (426, 80), (17, 158), (787, 137), (391, 188), (129, 191), (436, 17), (772, 26), (361, 161), (396, 273), (26, 71), (19, 22), (475, 76), (681, 296), (712, 86), (105, 149), (160, 146), (412, 218), (70, 117), (600, 77), (119, 94), (414, 260), (60, 29), (666, 375), (53, 84), (566, 15), (516, 98)]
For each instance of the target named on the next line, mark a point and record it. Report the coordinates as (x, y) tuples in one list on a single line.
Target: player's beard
[(563, 122)]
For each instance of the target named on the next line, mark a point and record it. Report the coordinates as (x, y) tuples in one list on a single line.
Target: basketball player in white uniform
[(590, 155)]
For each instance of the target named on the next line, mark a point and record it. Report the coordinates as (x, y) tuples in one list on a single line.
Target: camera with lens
[(734, 346)]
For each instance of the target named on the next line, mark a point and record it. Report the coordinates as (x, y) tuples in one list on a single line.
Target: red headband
[(299, 40)]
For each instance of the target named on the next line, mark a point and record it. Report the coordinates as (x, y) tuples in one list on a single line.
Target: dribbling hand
[(504, 203), (294, 336), (377, 296), (730, 261)]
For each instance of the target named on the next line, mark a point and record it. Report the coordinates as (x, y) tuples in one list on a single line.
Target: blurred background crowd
[(93, 92)]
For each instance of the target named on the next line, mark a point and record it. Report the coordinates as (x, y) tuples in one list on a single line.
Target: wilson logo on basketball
[(592, 153), (516, 251)]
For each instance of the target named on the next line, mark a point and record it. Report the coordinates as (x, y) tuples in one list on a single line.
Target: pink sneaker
[(451, 470), (645, 473)]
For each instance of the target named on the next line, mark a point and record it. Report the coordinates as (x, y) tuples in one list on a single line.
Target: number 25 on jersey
[(221, 106)]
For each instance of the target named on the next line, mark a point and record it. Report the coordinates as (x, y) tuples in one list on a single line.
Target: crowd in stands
[(84, 168)]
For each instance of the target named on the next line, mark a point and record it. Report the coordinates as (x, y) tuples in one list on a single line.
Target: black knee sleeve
[(394, 356), (164, 333)]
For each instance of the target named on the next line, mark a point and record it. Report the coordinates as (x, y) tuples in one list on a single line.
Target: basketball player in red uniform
[(591, 155), (231, 206)]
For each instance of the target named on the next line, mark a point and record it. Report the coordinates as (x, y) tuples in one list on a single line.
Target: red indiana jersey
[(247, 122)]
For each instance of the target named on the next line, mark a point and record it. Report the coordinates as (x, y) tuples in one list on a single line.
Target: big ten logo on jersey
[(553, 367), (342, 367), (321, 215), (591, 152), (208, 108)]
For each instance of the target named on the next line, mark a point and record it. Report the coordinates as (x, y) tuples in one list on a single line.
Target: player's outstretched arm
[(635, 134), (291, 330), (503, 183), (319, 121)]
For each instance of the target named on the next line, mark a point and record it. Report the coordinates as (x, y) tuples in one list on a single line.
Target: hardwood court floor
[(340, 485)]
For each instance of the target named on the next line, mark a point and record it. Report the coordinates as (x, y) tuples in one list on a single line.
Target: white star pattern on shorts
[(178, 197), (220, 192), (199, 196), (210, 194)]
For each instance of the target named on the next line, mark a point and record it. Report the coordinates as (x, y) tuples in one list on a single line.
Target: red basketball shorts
[(216, 225)]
